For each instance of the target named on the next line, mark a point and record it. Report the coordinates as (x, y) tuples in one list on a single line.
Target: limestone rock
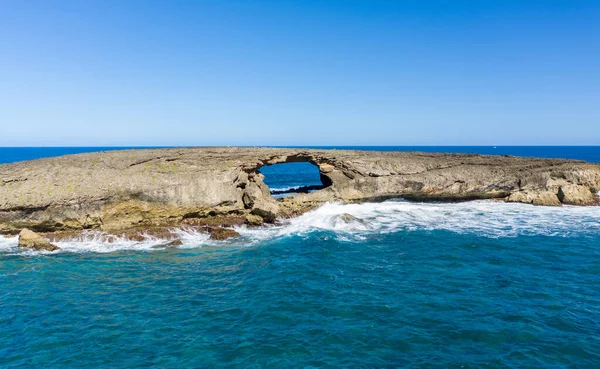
[(31, 240), (222, 233), (119, 190), (266, 209), (326, 168), (223, 220), (577, 195), (176, 242), (351, 219), (541, 198), (141, 234), (254, 220), (546, 199)]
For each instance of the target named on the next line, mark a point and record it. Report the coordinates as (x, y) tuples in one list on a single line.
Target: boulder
[(222, 233), (546, 199), (351, 219), (537, 198), (577, 195), (176, 242), (31, 240), (254, 220), (266, 209)]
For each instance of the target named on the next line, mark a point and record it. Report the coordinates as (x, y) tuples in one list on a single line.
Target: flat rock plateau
[(146, 189)]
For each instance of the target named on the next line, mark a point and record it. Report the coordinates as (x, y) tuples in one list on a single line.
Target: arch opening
[(293, 178)]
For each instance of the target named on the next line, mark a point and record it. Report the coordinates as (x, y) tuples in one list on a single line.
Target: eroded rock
[(174, 243), (577, 195), (118, 190), (350, 219), (222, 233), (542, 198), (254, 220), (268, 210), (31, 240)]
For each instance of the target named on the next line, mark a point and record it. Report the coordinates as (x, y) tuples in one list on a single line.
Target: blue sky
[(143, 72)]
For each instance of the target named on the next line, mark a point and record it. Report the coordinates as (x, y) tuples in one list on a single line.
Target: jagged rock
[(541, 198), (226, 220), (546, 199), (222, 233), (326, 168), (91, 222), (266, 209), (174, 243), (256, 198), (117, 190), (577, 195), (254, 220), (141, 234), (31, 240), (351, 219)]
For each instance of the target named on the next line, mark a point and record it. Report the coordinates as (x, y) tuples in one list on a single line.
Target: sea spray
[(485, 218), (479, 284), (482, 218)]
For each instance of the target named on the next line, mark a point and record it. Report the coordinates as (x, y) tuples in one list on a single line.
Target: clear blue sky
[(143, 72)]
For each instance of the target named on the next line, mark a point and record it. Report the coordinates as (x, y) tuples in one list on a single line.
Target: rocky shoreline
[(129, 192)]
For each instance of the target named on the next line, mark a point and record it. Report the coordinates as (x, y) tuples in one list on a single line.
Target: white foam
[(484, 218), (280, 189), (101, 242), (8, 244)]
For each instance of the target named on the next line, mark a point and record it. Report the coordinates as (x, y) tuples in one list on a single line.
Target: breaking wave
[(284, 189), (354, 222), (485, 218)]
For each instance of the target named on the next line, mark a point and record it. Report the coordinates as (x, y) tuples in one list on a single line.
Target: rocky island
[(141, 190)]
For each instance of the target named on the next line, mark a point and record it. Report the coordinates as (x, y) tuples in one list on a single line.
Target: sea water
[(480, 284)]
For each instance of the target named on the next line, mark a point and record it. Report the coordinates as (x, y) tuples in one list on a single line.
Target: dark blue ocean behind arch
[(425, 285), (587, 153)]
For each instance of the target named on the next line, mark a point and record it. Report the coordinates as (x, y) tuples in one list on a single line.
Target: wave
[(486, 218), (101, 242), (354, 222), (280, 189), (303, 188)]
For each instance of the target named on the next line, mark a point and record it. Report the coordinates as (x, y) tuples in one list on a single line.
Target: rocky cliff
[(118, 190)]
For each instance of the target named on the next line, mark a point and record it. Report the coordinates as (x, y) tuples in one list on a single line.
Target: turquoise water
[(290, 176), (422, 285), (476, 284)]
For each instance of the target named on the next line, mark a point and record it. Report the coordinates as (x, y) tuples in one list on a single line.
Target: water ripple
[(419, 289)]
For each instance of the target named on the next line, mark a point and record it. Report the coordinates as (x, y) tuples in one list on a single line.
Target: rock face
[(118, 190), (31, 240)]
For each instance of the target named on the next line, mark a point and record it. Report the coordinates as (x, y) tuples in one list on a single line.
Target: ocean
[(479, 284), (587, 153)]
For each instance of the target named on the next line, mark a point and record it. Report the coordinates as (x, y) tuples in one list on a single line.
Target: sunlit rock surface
[(118, 190)]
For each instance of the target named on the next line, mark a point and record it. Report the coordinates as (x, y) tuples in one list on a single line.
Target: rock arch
[(291, 179), (256, 194)]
